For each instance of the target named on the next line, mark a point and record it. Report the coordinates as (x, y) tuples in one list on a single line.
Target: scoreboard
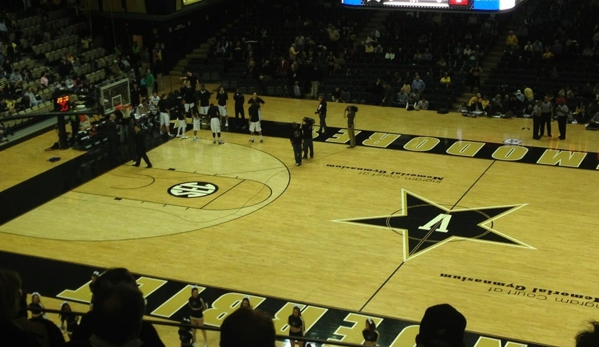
[(437, 5)]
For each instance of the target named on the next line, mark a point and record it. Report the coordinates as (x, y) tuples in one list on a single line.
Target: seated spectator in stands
[(417, 57), (496, 105), (511, 40), (442, 325), (44, 80), (246, 327), (69, 83), (336, 94), (587, 51), (427, 55), (580, 113), (386, 94), (441, 62), (475, 103), (389, 56), (421, 105), (15, 76), (411, 103), (114, 292), (378, 49), (445, 79), (467, 52), (55, 337), (548, 55), (117, 318), (418, 85), (485, 104), (297, 91), (33, 101), (345, 96), (401, 98), (529, 95), (368, 48), (10, 293), (588, 338), (537, 49)]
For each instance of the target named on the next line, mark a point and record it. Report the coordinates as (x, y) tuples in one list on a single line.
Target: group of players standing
[(189, 102)]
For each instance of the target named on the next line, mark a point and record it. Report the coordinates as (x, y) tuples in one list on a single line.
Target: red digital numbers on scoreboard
[(61, 103), (459, 2)]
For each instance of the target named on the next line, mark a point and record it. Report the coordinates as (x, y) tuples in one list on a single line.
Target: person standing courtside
[(140, 147), (189, 96), (296, 326), (350, 114), (215, 121), (297, 142), (204, 96), (546, 116), (254, 121), (307, 130), (239, 102), (537, 119), (196, 313), (321, 111), (221, 98), (255, 99), (370, 334), (165, 116), (561, 111), (180, 113)]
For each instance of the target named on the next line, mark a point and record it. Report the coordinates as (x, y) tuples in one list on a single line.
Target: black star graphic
[(425, 225)]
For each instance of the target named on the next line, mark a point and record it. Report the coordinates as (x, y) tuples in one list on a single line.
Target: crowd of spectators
[(323, 51), (552, 53), (118, 306)]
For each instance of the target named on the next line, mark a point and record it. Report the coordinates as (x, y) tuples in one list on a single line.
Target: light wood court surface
[(275, 229)]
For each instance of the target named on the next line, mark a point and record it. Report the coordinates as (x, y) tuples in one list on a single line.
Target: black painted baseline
[(280, 129)]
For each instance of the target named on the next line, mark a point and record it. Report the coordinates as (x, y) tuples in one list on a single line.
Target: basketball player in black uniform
[(196, 315), (193, 80), (296, 142), (370, 334), (321, 111), (254, 122), (140, 147), (204, 96), (221, 98), (189, 95), (180, 113), (296, 326), (165, 116), (239, 101), (215, 121), (255, 99)]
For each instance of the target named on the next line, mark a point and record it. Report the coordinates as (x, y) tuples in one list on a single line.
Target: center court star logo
[(426, 225)]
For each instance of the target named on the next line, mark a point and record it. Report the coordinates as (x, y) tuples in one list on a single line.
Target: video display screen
[(464, 5)]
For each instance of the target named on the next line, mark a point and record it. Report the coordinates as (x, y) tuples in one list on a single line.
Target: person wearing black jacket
[(307, 130), (296, 142), (221, 98), (239, 101), (140, 147), (204, 96), (321, 111)]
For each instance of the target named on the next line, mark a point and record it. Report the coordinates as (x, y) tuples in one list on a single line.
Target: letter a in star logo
[(426, 225)]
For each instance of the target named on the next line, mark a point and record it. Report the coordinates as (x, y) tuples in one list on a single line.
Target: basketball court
[(428, 208)]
